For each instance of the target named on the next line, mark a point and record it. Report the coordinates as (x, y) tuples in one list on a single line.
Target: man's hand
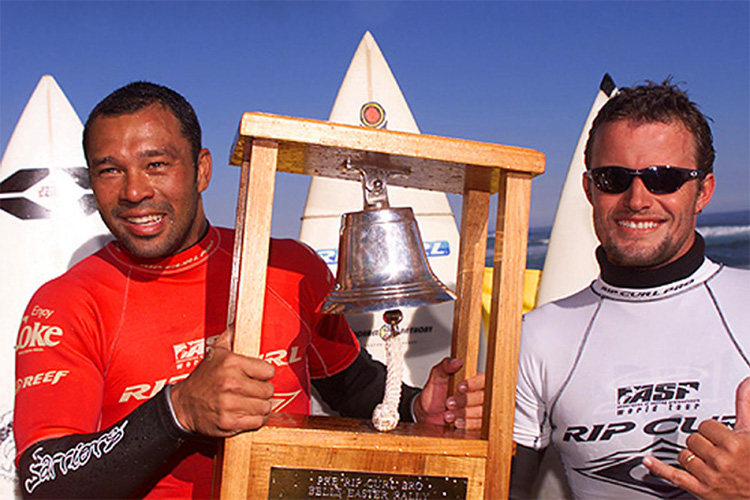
[(226, 394), (464, 409), (716, 458)]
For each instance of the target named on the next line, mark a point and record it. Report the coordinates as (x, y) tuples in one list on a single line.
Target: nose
[(136, 188), (637, 197)]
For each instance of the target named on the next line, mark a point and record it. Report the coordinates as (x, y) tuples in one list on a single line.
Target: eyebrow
[(149, 153), (95, 162)]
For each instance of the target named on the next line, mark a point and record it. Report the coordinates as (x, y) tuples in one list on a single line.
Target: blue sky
[(517, 73)]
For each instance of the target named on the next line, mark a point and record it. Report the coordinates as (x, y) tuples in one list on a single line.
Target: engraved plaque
[(336, 484)]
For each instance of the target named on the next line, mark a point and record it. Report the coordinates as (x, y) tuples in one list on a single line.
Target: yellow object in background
[(530, 289)]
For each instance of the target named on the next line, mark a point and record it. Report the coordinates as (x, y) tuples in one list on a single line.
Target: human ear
[(587, 187), (204, 166), (706, 189)]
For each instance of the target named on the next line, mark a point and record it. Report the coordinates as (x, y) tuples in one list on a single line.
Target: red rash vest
[(112, 332)]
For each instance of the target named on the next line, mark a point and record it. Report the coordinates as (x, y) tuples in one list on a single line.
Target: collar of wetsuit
[(634, 277)]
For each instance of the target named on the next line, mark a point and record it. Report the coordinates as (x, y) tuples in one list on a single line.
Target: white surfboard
[(48, 222), (570, 264), (369, 96)]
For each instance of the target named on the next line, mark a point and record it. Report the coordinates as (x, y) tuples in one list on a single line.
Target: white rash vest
[(610, 375)]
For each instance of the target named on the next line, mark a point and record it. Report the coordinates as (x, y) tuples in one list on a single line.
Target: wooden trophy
[(295, 456)]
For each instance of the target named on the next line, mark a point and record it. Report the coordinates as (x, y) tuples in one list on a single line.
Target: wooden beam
[(252, 239), (467, 314), (504, 336)]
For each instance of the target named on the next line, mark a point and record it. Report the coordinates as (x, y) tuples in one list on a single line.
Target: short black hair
[(136, 96), (658, 103)]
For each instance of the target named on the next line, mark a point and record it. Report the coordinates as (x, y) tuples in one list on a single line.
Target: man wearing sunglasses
[(636, 376)]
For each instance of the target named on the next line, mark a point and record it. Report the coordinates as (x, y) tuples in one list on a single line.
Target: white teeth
[(146, 219), (637, 225)]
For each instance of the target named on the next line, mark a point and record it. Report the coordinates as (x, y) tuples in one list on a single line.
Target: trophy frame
[(339, 452)]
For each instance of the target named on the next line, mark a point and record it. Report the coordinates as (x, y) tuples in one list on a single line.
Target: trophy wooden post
[(296, 456)]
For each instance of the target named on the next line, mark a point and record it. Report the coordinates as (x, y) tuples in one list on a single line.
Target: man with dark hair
[(125, 373), (138, 95), (620, 375)]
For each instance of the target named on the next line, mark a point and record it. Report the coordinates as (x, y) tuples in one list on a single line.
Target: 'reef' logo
[(51, 377), (650, 397)]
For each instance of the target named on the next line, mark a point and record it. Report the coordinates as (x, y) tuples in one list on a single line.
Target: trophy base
[(297, 456)]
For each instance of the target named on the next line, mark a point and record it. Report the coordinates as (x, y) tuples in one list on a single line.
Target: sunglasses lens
[(612, 179), (657, 179), (663, 180)]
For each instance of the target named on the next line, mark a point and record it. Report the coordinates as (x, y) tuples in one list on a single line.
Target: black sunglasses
[(658, 179)]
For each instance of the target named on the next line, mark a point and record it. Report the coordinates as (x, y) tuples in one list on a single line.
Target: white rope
[(385, 415)]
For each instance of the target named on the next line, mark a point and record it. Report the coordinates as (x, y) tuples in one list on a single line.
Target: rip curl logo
[(631, 295), (190, 353), (671, 396), (624, 468), (279, 401), (437, 248), (43, 468)]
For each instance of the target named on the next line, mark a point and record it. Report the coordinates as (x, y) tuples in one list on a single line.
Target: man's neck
[(166, 261), (630, 277)]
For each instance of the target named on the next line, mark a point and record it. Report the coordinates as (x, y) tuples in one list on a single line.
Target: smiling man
[(147, 181), (125, 375), (637, 374)]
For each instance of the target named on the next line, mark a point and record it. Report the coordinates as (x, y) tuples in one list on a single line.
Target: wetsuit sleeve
[(121, 461), (356, 391), (59, 366), (333, 346), (524, 470), (345, 376), (531, 422)]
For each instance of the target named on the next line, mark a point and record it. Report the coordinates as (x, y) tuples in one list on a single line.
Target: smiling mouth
[(631, 224), (145, 220)]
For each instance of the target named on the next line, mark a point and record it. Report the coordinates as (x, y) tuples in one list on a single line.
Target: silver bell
[(382, 262)]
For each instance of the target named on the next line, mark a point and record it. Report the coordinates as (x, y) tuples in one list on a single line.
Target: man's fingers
[(441, 372), (227, 393), (742, 405), (465, 407), (693, 463), (679, 478), (447, 367), (716, 457), (466, 400), (473, 387), (475, 383), (248, 390), (469, 417), (250, 416), (258, 369), (224, 340), (711, 434)]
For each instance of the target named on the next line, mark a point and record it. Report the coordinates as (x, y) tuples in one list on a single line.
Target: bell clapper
[(385, 416)]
